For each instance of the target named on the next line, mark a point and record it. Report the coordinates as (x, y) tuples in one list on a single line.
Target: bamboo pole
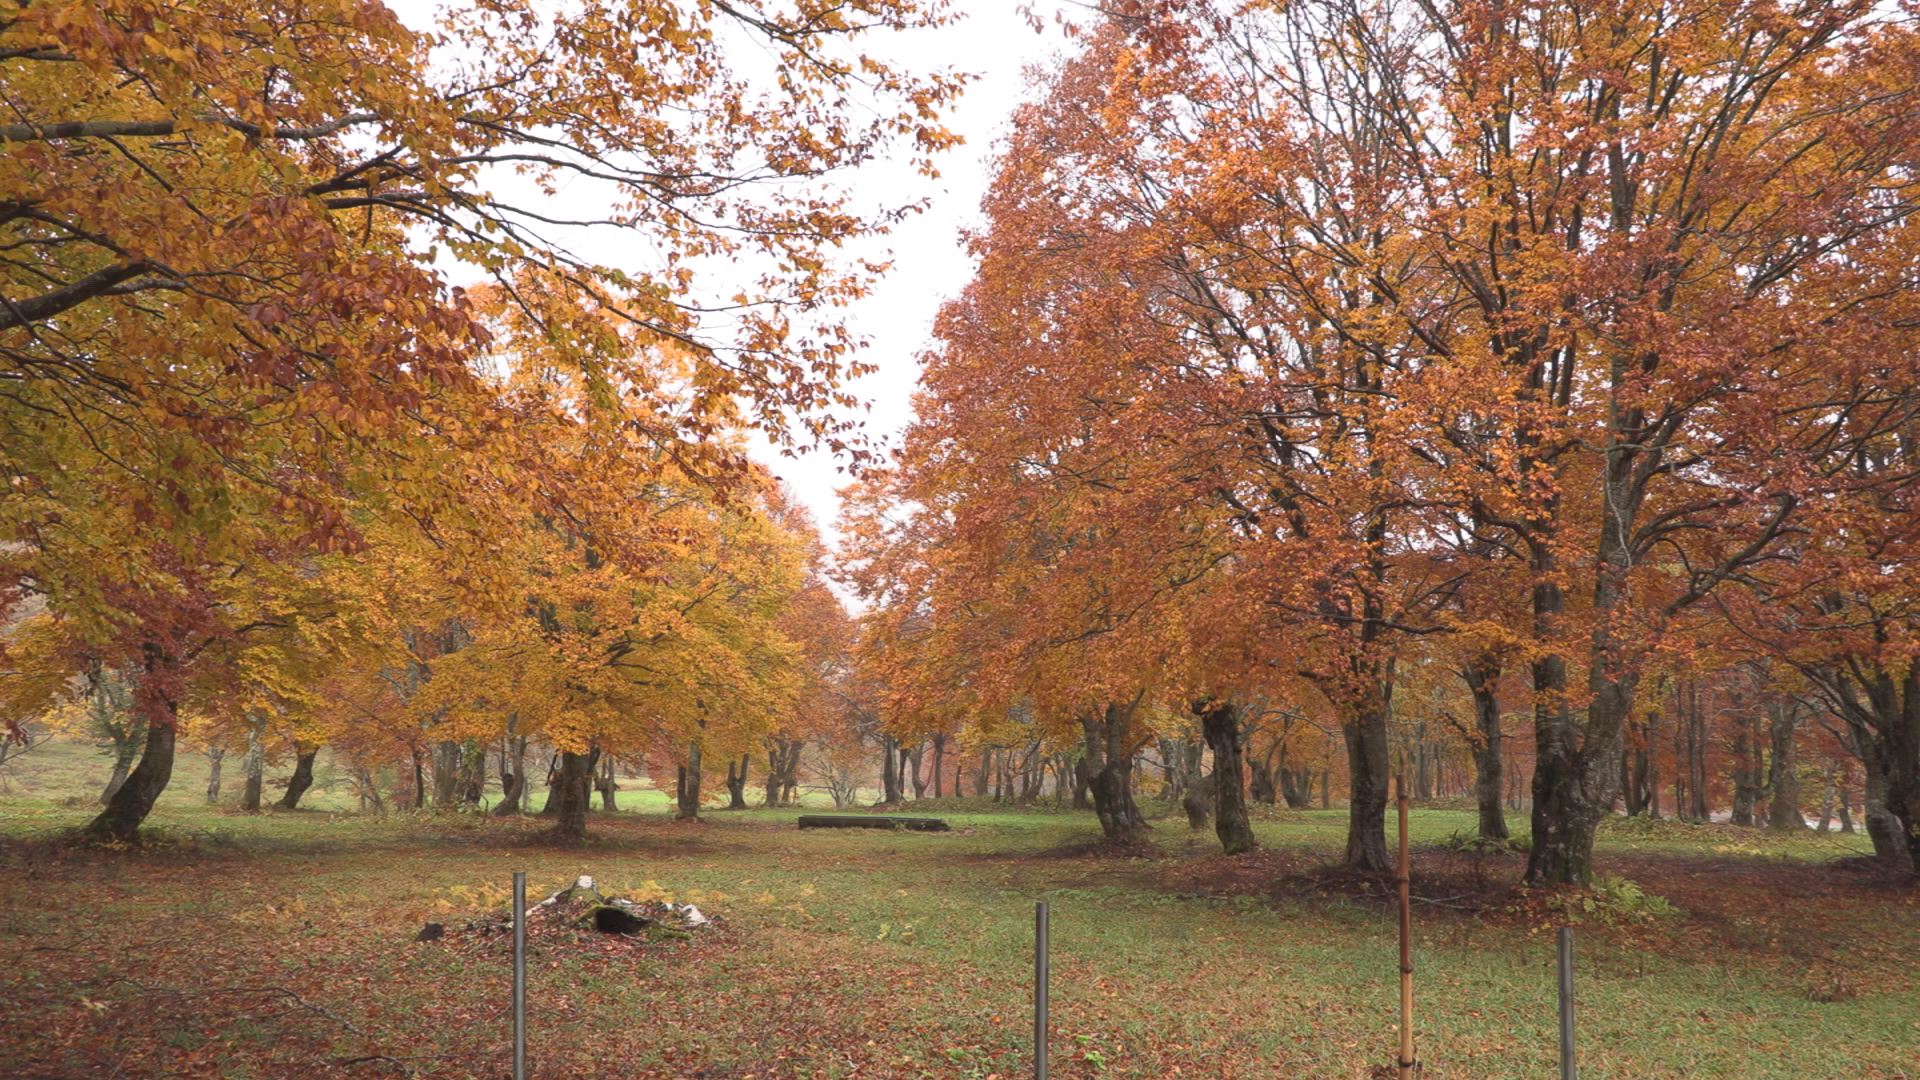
[(1406, 1062)]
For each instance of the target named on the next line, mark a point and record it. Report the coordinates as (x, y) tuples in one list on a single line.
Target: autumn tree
[(258, 194)]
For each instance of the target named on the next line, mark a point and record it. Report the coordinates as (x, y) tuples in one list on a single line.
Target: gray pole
[(519, 975), (1040, 991), (1568, 1070)]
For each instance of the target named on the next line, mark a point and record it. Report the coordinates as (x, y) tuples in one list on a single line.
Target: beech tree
[(1618, 295), (223, 326)]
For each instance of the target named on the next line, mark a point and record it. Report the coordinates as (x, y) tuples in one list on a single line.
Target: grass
[(904, 955)]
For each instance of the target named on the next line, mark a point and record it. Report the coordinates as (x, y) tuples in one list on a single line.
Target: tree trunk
[(1220, 723), (369, 791), (133, 801), (1196, 797), (687, 789), (1422, 763), (552, 804), (1566, 810), (121, 764), (1110, 750), (1697, 749), (913, 759), (1783, 778), (1483, 678), (301, 780), (606, 784), (1261, 786), (215, 755), (1649, 777), (255, 768), (1826, 799), (513, 775), (446, 773), (737, 782), (1365, 733), (889, 771), (473, 772), (571, 792), (1746, 781), (939, 759)]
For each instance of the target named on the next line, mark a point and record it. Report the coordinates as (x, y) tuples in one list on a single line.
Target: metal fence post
[(1406, 1063), (1040, 990), (1568, 1069), (519, 975)]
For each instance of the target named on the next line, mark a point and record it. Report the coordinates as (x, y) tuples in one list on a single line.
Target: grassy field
[(283, 945)]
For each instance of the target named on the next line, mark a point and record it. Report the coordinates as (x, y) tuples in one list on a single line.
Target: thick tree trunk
[(134, 799), (1296, 787), (913, 759), (1483, 678), (473, 772), (121, 764), (1571, 782), (446, 774), (571, 793), (1783, 776), (1883, 828), (889, 771), (1367, 765), (1261, 785), (301, 780), (255, 769), (1196, 796), (1220, 723), (687, 789), (783, 770), (1576, 761), (1745, 774), (513, 775), (215, 755), (1110, 750), (737, 782)]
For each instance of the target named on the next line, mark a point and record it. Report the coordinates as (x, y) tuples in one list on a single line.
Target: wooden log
[(872, 821)]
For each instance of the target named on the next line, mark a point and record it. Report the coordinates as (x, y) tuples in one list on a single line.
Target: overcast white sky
[(996, 43)]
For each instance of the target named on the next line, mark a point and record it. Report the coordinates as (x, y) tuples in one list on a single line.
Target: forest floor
[(283, 945)]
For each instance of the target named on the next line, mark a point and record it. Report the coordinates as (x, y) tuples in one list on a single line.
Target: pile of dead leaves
[(581, 917)]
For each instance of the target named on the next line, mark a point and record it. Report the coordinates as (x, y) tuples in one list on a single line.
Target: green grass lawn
[(873, 954)]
